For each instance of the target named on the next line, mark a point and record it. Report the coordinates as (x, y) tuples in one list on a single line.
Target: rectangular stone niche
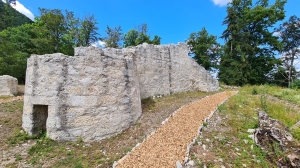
[(40, 115)]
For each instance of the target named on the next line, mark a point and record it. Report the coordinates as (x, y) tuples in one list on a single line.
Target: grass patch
[(15, 106), (20, 136), (296, 133), (5, 97)]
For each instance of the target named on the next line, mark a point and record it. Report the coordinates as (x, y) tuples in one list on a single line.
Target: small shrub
[(18, 157), (263, 100), (254, 91)]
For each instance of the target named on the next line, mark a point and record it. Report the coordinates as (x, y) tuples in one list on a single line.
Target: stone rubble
[(272, 131), (9, 85)]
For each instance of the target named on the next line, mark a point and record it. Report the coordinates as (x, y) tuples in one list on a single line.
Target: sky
[(172, 20)]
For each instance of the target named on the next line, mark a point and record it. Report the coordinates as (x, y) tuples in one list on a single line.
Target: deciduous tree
[(113, 37), (289, 34), (140, 36), (204, 49)]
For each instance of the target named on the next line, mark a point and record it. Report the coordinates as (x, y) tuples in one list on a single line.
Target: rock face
[(9, 85), (97, 93)]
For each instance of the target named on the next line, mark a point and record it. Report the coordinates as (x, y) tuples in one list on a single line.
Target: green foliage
[(254, 91), (88, 31), (9, 17), (66, 31), (17, 44), (289, 34), (114, 37), (20, 136), (296, 133), (54, 31), (204, 49), (18, 157), (250, 45), (295, 84), (140, 36)]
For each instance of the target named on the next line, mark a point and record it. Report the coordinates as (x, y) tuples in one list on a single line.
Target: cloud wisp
[(221, 2), (22, 9), (99, 43)]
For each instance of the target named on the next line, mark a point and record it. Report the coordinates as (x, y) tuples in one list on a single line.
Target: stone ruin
[(9, 85), (97, 93)]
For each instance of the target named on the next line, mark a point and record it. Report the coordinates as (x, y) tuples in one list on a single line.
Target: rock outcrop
[(9, 85), (97, 93)]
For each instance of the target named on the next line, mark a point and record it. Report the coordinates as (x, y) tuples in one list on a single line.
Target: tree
[(204, 49), (55, 21), (67, 31), (140, 36), (249, 53), (114, 37), (289, 34), (88, 31), (18, 43)]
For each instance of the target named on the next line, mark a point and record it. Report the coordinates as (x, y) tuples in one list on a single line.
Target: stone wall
[(167, 69), (97, 93), (8, 85)]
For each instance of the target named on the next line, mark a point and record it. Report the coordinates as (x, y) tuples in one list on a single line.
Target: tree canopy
[(204, 49), (289, 34), (140, 36), (113, 38), (53, 31), (250, 47)]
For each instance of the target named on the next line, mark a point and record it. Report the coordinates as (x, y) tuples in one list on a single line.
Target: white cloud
[(99, 43), (221, 2), (22, 9)]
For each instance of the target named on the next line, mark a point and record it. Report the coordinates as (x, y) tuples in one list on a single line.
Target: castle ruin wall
[(97, 93)]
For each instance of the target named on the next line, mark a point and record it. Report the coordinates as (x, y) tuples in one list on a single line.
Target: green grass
[(5, 97), (296, 133), (241, 112), (15, 106)]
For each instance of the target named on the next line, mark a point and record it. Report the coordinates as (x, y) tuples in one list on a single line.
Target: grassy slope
[(229, 140)]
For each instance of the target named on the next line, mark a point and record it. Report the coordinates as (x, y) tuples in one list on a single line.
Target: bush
[(254, 91), (295, 84)]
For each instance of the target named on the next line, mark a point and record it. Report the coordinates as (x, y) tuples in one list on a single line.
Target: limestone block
[(8, 85)]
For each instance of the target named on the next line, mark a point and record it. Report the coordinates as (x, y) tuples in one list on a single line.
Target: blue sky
[(173, 20)]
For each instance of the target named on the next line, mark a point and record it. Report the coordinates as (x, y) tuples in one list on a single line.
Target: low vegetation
[(227, 138), (228, 141)]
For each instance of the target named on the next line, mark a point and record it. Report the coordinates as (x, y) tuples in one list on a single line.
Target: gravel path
[(169, 143)]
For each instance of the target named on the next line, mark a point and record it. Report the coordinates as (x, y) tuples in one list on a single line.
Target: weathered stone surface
[(8, 85), (97, 93), (167, 69), (272, 131)]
